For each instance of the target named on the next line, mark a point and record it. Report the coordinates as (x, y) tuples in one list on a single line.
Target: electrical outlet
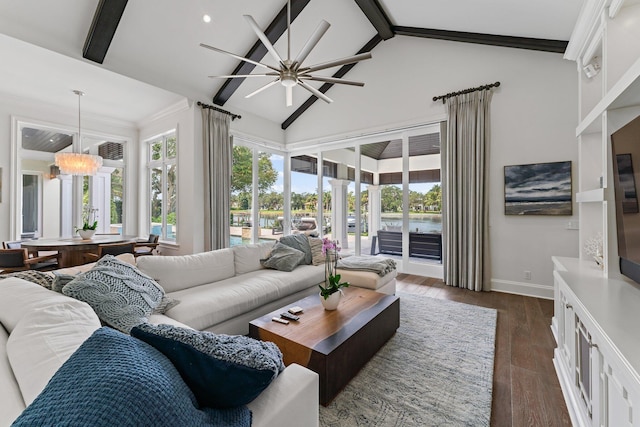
[(527, 275)]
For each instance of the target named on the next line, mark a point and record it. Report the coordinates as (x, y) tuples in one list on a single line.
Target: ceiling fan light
[(288, 81)]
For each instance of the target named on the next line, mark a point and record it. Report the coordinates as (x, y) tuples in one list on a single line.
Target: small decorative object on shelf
[(593, 247), (89, 223), (331, 292)]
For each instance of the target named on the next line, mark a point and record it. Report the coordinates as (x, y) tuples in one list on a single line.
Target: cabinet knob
[(569, 306), (592, 344)]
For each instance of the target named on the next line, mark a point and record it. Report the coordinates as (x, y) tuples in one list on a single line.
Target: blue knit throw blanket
[(117, 380)]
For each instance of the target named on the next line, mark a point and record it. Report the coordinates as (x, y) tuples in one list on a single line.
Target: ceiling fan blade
[(315, 91), (236, 76), (330, 80), (241, 58), (265, 41), (267, 86), (289, 95), (311, 43), (337, 62)]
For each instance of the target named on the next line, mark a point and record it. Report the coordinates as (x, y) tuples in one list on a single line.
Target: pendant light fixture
[(78, 163)]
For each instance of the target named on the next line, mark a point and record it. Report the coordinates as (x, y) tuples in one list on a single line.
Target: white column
[(339, 211), (374, 210)]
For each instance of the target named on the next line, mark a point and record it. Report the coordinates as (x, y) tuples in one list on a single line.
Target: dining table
[(72, 250)]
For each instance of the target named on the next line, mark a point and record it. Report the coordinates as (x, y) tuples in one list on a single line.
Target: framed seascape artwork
[(624, 165), (538, 189)]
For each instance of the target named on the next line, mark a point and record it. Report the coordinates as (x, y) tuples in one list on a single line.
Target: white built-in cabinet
[(597, 311), (597, 357)]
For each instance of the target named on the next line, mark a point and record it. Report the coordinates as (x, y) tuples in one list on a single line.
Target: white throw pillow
[(19, 297), (44, 339)]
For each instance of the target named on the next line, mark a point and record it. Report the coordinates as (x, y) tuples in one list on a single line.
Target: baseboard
[(520, 288)]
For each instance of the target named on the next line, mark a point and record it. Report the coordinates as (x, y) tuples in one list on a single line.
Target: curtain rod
[(213, 107), (449, 95)]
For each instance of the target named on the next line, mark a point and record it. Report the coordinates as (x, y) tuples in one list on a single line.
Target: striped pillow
[(318, 257)]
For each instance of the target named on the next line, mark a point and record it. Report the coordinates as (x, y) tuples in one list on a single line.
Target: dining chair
[(146, 247), (12, 260), (111, 249)]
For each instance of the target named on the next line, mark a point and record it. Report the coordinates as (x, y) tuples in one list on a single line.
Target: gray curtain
[(465, 187), (217, 150)]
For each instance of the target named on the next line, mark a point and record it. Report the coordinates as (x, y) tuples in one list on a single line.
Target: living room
[(533, 114)]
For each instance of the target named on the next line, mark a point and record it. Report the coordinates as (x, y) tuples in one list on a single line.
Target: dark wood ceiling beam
[(325, 87), (274, 31), (375, 14), (103, 28), (544, 45)]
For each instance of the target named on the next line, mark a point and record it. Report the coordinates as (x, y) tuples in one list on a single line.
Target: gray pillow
[(301, 243), (61, 279), (283, 258), (120, 294)]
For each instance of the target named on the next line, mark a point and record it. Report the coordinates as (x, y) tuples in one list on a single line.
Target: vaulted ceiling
[(157, 42)]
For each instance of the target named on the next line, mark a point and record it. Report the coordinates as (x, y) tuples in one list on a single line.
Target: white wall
[(533, 120), (30, 110)]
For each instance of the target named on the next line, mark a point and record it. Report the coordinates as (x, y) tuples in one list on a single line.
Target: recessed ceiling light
[(206, 18)]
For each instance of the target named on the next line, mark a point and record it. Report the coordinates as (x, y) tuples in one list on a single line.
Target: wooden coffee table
[(335, 344)]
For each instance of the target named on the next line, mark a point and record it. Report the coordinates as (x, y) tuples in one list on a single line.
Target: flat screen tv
[(625, 144)]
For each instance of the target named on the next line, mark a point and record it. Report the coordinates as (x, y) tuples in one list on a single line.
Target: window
[(163, 189), (256, 198)]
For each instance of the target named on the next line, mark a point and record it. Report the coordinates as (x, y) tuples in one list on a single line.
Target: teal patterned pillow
[(223, 371), (120, 294)]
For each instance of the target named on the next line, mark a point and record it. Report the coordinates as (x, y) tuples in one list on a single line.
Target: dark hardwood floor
[(526, 391)]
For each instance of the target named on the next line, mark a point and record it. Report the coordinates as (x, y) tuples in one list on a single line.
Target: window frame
[(164, 164)]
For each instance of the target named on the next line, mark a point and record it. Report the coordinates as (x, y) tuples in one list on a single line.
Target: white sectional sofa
[(222, 291), (219, 291)]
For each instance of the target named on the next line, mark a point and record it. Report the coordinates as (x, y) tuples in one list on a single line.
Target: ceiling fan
[(290, 72)]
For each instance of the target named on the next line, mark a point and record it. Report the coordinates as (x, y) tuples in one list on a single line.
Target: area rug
[(437, 370)]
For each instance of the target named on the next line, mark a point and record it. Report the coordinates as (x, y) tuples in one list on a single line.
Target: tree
[(242, 171), (391, 198), (433, 198)]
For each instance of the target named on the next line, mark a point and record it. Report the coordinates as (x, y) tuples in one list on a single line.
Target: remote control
[(289, 316), (279, 320), (296, 310)]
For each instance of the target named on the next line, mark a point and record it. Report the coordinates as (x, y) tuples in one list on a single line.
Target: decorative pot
[(86, 234), (332, 302)]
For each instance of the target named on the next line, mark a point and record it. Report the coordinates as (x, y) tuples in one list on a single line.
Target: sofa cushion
[(11, 403), (103, 384), (247, 257), (283, 258), (223, 371), (120, 294), (175, 273), (301, 243), (204, 306), (44, 339), (19, 297)]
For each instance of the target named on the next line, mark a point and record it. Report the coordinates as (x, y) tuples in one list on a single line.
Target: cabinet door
[(617, 399), (567, 333)]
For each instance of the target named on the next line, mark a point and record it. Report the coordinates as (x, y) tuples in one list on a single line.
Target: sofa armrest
[(291, 399)]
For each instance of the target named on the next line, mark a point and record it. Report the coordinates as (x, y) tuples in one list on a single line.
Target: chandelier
[(78, 163)]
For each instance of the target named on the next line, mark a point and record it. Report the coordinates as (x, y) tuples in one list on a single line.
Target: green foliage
[(242, 171)]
